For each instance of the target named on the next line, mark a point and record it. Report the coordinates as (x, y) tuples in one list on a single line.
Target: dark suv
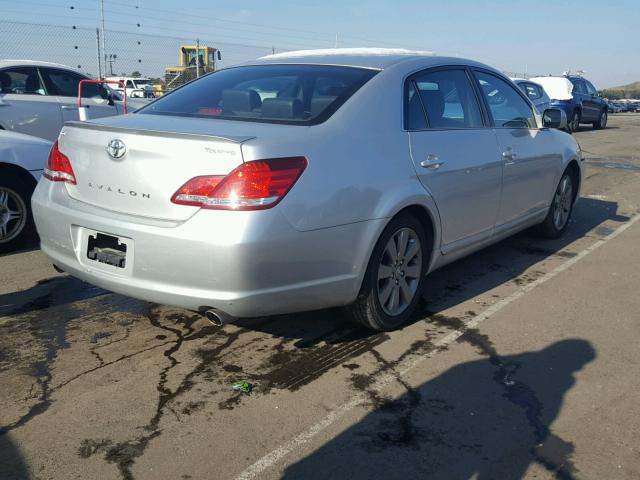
[(578, 98)]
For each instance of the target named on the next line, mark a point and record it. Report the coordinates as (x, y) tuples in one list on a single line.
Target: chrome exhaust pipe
[(217, 318)]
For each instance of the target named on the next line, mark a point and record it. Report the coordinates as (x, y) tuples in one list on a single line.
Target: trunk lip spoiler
[(237, 139)]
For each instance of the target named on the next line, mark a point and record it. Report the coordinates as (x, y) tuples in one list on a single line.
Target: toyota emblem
[(116, 148)]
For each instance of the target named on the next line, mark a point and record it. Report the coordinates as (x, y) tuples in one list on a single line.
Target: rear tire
[(574, 122), (394, 278), (602, 121), (17, 229), (557, 220)]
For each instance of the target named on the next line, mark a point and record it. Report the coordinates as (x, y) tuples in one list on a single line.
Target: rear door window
[(579, 86), (21, 80), (65, 84), (506, 105), (291, 94), (445, 99)]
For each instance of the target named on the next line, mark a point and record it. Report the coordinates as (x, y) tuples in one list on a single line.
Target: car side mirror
[(554, 118)]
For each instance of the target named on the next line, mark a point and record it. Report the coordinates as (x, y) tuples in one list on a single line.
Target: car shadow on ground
[(589, 128), (486, 419), (27, 247), (47, 293)]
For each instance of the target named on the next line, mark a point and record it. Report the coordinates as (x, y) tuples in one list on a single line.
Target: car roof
[(4, 63), (375, 58)]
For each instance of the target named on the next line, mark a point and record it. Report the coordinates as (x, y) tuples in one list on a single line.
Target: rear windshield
[(291, 94)]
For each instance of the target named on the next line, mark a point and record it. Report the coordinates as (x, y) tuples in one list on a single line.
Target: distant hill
[(631, 90), (631, 86)]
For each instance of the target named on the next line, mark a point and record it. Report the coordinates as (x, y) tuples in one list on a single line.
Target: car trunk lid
[(144, 166)]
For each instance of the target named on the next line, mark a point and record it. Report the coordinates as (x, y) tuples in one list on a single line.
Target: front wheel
[(393, 281), (16, 222), (557, 220), (602, 121)]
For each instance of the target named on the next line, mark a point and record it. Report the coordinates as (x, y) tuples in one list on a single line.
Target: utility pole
[(197, 57), (104, 47), (99, 54), (336, 46)]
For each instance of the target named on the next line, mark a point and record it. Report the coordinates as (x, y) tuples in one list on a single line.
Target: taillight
[(58, 167), (253, 185)]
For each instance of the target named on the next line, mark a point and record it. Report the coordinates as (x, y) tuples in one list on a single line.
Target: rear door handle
[(509, 156), (68, 107), (432, 162)]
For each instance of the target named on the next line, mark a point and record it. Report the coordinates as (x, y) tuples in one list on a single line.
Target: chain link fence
[(167, 60)]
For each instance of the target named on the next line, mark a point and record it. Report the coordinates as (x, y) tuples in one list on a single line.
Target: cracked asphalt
[(523, 363)]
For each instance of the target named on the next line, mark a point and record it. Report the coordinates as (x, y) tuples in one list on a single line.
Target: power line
[(227, 20), (181, 39), (274, 29)]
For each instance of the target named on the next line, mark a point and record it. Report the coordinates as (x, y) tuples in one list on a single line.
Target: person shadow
[(485, 419), (12, 463)]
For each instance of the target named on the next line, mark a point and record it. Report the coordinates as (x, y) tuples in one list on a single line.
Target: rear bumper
[(244, 264), (566, 105)]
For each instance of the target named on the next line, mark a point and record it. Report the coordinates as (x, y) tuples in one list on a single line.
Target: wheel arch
[(574, 170), (19, 171), (427, 221)]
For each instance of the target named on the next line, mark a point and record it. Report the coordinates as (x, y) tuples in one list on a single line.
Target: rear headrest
[(318, 104), (5, 82), (434, 103), (239, 101), (32, 84), (285, 108)]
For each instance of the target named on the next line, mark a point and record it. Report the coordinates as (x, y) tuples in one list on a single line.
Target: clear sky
[(535, 37)]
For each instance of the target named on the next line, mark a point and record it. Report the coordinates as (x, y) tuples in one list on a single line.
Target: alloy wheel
[(13, 214), (562, 203), (399, 271)]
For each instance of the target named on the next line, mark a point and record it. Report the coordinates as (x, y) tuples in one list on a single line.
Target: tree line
[(619, 94)]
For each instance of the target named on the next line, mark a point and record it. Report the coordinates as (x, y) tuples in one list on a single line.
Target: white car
[(22, 159), (135, 86), (37, 98)]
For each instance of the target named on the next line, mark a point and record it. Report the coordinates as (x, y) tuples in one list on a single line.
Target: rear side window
[(532, 91), (23, 80), (444, 99), (506, 105), (291, 94)]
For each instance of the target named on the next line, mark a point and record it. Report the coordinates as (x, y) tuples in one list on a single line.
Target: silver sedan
[(306, 180)]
